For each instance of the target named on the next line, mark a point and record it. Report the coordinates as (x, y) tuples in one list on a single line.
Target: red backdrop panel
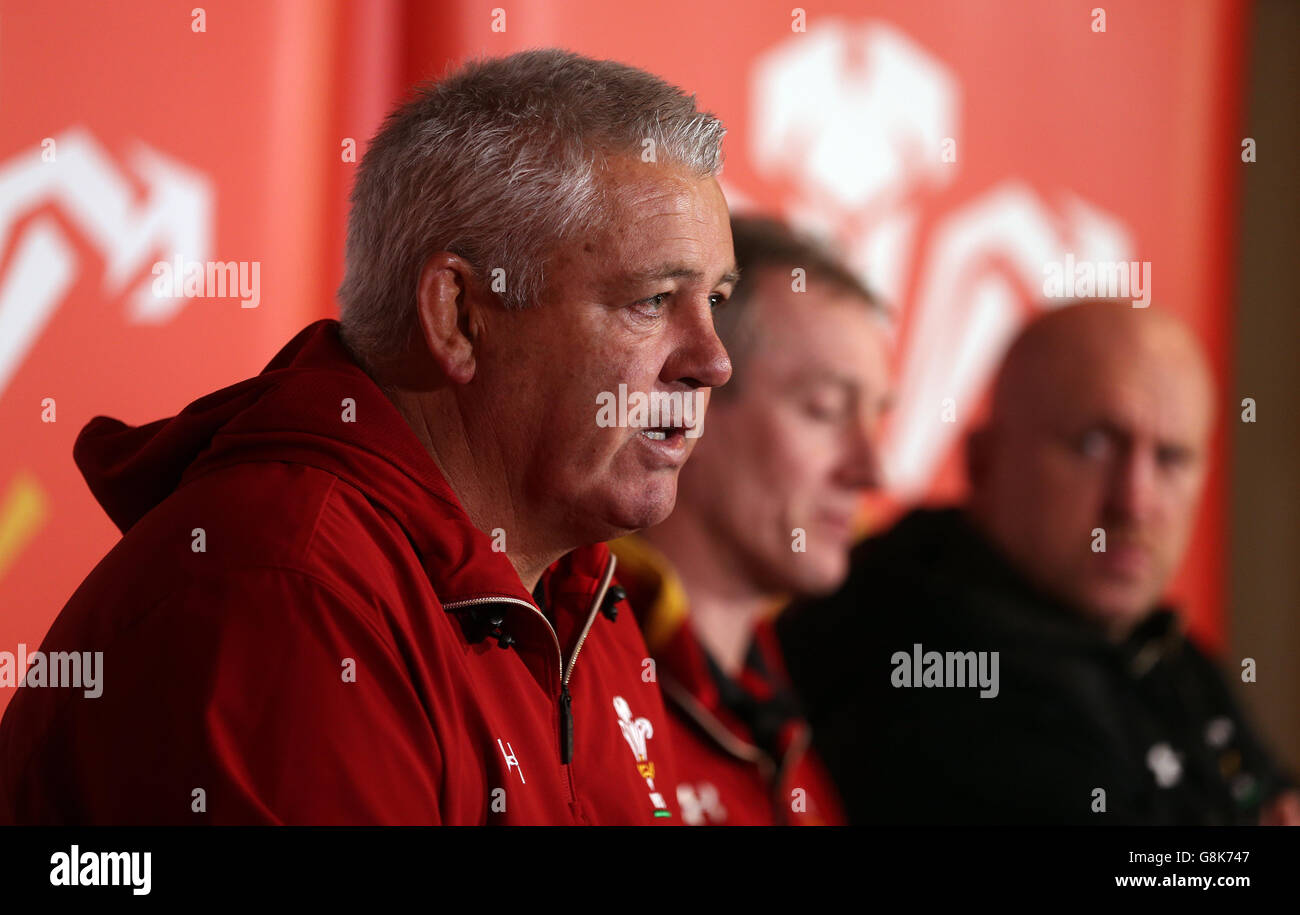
[(130, 138)]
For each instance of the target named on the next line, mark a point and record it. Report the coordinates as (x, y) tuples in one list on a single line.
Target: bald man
[(1010, 661)]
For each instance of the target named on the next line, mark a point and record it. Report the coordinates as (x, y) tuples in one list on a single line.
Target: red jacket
[(295, 628), (727, 774)]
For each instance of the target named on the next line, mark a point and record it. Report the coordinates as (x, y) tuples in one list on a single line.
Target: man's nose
[(863, 466), (699, 359), (1133, 484)]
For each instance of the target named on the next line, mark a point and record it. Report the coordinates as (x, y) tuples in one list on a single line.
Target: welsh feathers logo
[(637, 732), (849, 124), (58, 198), (73, 175)]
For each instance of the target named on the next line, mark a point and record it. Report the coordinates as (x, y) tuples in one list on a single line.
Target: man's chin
[(648, 514), (803, 575), (638, 511), (1117, 608), (818, 581)]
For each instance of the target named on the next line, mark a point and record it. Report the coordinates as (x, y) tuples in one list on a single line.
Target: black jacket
[(1149, 721)]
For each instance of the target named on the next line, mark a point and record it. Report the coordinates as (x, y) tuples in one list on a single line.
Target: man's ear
[(446, 298)]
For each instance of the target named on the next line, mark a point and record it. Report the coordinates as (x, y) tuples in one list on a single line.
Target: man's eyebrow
[(887, 399), (671, 271), (820, 375), (1110, 427)]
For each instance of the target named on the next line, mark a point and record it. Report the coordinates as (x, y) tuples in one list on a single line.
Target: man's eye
[(1173, 456), (1094, 444), (717, 300), (655, 302), (823, 410)]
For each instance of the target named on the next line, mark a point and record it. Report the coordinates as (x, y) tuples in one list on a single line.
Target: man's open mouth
[(663, 433)]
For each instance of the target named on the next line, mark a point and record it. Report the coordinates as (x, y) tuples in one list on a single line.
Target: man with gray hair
[(320, 565)]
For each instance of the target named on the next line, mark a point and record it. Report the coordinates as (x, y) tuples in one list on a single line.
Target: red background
[(1141, 121)]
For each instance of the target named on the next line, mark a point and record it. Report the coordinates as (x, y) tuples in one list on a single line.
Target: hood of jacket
[(311, 405)]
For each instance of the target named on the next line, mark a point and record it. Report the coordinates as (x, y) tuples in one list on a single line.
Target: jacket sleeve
[(261, 697)]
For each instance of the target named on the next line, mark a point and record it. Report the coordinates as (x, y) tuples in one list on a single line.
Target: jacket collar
[(658, 598), (314, 405), (971, 565)]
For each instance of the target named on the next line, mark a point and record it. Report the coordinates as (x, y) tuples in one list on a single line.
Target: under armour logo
[(512, 762), (700, 804)]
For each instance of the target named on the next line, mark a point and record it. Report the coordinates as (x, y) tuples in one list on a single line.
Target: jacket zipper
[(798, 747), (566, 672), (566, 700), (555, 639)]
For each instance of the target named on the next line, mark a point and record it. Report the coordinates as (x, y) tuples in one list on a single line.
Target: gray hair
[(498, 162)]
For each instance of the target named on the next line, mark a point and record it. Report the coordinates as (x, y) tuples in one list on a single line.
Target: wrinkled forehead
[(649, 212), (632, 190), (1147, 388), (822, 328)]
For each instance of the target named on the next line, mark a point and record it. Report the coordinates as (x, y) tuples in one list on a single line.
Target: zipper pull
[(566, 725)]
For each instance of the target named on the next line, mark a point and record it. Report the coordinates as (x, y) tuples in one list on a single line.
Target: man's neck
[(724, 605), (478, 479), (1115, 629)]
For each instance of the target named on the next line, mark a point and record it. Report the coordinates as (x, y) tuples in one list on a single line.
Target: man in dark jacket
[(319, 567), (1010, 662)]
